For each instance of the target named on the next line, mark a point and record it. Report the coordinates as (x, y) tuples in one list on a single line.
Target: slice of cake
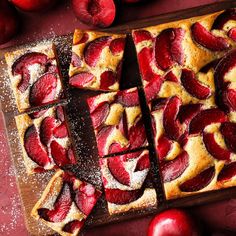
[(124, 179), (35, 77), (96, 61), (117, 121), (45, 140), (66, 203)]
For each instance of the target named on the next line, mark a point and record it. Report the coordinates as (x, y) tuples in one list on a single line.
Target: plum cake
[(96, 61), (124, 180), (45, 140), (66, 203), (188, 70), (117, 121), (34, 74)]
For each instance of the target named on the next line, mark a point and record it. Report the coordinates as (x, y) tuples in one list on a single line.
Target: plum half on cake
[(45, 140), (188, 70), (125, 180), (34, 74), (117, 121), (96, 61), (66, 203)]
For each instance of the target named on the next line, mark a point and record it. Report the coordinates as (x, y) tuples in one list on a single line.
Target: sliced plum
[(227, 172), (145, 58), (60, 113), (82, 39), (123, 125), (225, 97), (46, 129), (143, 163), (100, 114), (223, 18), (117, 168), (43, 91), (228, 130), (170, 76), (61, 131), (168, 48), (34, 148), (93, 50), (92, 103), (81, 79), (214, 148), (108, 78), (61, 208), (122, 197), (206, 39), (59, 154), (171, 124), (171, 170), (86, 197), (72, 226), (232, 34), (141, 35), (228, 99), (137, 135), (198, 182), (128, 98), (226, 64), (76, 60), (163, 147), (99, 13), (158, 104), (187, 112), (193, 86), (102, 136), (20, 67), (205, 118), (153, 88), (117, 46)]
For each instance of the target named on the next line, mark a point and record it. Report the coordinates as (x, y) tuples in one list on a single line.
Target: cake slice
[(45, 140), (125, 181), (96, 61), (66, 203), (117, 121), (34, 74)]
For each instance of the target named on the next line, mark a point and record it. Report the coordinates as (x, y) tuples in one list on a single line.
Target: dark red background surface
[(61, 20)]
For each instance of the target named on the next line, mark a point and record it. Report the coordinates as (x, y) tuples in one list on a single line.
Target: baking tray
[(31, 187)]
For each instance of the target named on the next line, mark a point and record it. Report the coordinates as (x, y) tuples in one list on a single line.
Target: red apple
[(173, 222), (8, 21), (33, 5)]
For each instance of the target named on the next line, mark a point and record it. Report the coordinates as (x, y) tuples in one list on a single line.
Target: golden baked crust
[(106, 72), (119, 121), (205, 153), (35, 71), (27, 124), (124, 179), (50, 197)]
